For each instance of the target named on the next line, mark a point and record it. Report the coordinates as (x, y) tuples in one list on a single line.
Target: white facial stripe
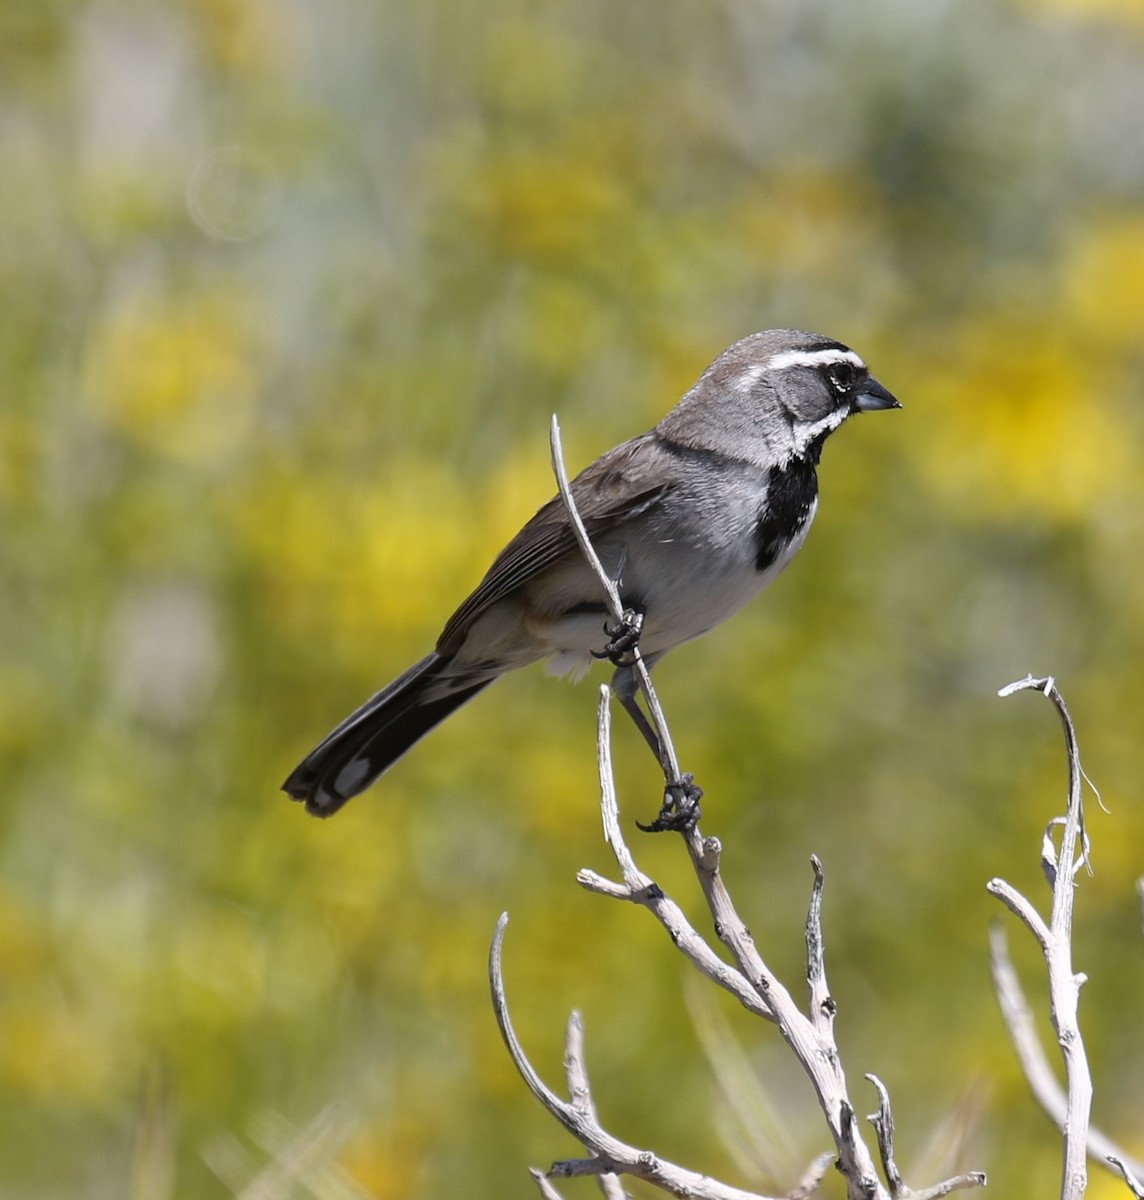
[(807, 431), (813, 358)]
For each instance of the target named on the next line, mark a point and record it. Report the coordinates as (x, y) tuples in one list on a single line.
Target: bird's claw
[(680, 811), (623, 638)]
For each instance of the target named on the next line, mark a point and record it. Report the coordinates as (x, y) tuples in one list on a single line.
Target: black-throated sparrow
[(692, 519)]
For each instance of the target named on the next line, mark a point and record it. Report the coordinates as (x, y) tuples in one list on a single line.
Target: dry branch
[(1069, 1109), (748, 978), (1034, 1061), (607, 1155)]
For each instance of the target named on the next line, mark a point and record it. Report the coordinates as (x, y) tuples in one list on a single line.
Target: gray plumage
[(693, 519)]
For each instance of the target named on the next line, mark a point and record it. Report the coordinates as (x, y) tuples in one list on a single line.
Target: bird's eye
[(842, 377)]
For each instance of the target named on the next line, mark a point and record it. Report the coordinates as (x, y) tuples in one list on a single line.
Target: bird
[(690, 520)]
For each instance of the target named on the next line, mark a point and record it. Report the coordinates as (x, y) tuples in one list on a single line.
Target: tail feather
[(372, 738)]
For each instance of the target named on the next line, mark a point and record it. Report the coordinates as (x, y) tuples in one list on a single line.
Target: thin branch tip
[(1046, 684)]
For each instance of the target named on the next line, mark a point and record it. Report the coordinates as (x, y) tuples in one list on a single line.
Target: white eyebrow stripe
[(813, 358)]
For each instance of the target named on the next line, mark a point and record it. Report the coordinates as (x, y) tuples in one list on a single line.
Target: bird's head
[(776, 395)]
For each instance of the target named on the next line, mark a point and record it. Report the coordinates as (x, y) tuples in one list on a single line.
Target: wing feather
[(617, 486)]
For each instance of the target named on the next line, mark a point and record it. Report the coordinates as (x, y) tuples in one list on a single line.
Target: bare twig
[(1055, 939), (576, 1073), (546, 1189), (811, 1039), (883, 1122), (959, 1183), (607, 1154), (1020, 907), (640, 889), (1130, 1177), (822, 1006), (1046, 1089), (616, 606)]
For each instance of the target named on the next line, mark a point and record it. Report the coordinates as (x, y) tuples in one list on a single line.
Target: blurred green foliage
[(289, 293)]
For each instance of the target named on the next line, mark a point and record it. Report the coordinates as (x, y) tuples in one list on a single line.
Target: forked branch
[(809, 1035), (607, 1155), (1068, 1108)]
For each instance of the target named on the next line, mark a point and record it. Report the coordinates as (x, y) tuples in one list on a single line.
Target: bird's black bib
[(791, 492)]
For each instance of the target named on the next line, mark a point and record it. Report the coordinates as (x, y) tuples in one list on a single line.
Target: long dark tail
[(371, 739)]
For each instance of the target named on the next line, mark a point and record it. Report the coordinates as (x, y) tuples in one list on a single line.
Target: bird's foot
[(623, 638), (680, 811)]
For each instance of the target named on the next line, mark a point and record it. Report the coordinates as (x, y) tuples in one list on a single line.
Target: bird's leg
[(680, 810), (632, 708), (623, 638)]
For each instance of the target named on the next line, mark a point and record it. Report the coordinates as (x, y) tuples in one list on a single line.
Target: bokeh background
[(290, 289)]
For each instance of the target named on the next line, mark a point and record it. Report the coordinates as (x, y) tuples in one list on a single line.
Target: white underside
[(686, 585)]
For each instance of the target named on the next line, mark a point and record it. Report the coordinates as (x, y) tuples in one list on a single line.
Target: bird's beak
[(873, 397)]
